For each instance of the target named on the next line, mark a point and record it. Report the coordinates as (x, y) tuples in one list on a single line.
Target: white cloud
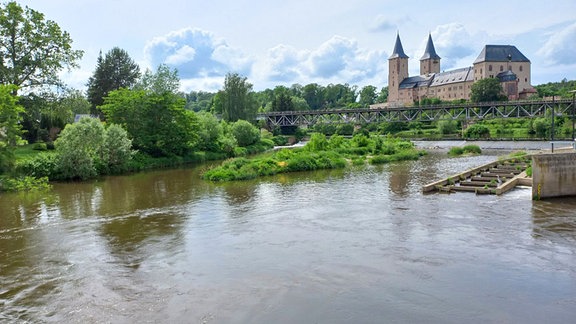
[(561, 47), (383, 23), (196, 54), (455, 45), (182, 55)]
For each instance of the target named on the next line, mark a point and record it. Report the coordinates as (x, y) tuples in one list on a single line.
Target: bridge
[(464, 111)]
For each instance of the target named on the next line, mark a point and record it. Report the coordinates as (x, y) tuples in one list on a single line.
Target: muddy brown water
[(348, 246)]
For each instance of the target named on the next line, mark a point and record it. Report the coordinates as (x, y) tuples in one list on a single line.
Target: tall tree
[(113, 71), (314, 95), (157, 123), (237, 99), (488, 89), (10, 128), (368, 95), (33, 50), (163, 80)]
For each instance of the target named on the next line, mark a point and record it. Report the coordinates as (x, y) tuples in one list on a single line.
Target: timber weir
[(492, 178)]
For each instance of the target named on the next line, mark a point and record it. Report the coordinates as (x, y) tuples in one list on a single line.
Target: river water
[(348, 246)]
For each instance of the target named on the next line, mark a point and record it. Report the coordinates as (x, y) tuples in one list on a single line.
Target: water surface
[(348, 246)]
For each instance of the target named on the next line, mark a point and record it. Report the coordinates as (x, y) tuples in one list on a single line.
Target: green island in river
[(319, 153)]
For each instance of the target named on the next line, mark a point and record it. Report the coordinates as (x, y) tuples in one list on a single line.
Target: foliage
[(84, 152), (488, 89), (319, 153), (245, 133), (40, 165), (117, 149), (199, 100), (447, 126), (561, 89), (163, 80), (24, 183), (477, 131), (158, 124), (33, 50), (236, 100), (115, 71), (466, 149), (10, 128), (209, 131), (368, 96)]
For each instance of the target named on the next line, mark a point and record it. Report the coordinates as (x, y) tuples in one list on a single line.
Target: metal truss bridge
[(465, 111)]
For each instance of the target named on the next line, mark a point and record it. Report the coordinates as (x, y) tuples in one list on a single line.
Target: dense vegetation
[(319, 153)]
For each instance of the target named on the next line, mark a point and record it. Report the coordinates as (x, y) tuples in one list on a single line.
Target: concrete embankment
[(486, 145), (554, 174)]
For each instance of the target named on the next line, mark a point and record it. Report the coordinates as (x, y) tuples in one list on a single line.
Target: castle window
[(501, 68), (480, 71), (520, 68), (525, 79), (490, 67)]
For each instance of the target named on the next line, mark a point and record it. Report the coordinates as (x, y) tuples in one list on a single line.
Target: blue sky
[(274, 42)]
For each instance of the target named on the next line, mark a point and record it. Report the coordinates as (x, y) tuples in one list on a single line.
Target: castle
[(504, 62)]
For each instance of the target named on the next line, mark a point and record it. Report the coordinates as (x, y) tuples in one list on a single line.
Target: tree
[(383, 95), (157, 123), (209, 130), (86, 149), (368, 95), (314, 95), (115, 71), (488, 89), (282, 100), (237, 99), (10, 128), (79, 149), (33, 50), (163, 80), (245, 133)]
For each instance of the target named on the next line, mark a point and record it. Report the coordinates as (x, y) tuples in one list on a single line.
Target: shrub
[(477, 131), (25, 183), (39, 147), (245, 133)]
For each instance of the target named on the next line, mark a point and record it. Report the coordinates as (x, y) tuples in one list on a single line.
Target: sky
[(286, 42)]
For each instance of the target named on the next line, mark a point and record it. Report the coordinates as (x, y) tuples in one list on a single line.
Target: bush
[(477, 131), (40, 165), (25, 183), (245, 133), (39, 147)]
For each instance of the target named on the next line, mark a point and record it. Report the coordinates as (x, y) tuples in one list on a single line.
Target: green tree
[(210, 131), (245, 133), (10, 128), (117, 149), (163, 80), (86, 149), (314, 95), (488, 89), (368, 95), (237, 99), (115, 71), (282, 100), (383, 95), (157, 123), (33, 50), (79, 149)]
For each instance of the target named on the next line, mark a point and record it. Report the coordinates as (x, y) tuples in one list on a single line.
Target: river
[(361, 245)]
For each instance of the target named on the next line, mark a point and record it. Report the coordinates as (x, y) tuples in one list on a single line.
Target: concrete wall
[(553, 175)]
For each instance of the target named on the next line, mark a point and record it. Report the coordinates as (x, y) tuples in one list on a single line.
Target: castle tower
[(430, 61), (397, 70)]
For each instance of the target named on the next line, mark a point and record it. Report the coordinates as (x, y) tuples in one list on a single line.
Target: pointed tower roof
[(430, 52), (398, 50)]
